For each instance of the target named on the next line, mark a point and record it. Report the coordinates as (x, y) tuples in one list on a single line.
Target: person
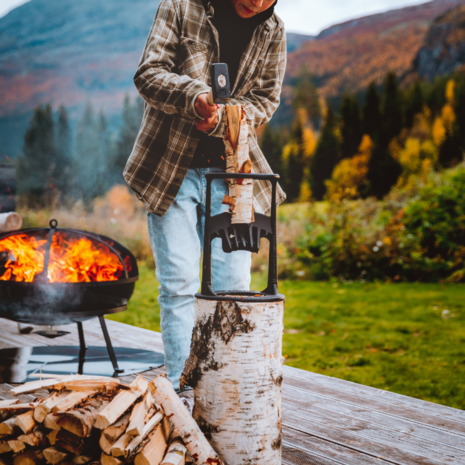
[(181, 139)]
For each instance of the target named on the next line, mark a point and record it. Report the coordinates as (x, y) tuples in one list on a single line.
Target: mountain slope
[(349, 56)]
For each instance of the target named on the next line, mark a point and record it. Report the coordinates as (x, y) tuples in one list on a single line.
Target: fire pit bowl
[(51, 276)]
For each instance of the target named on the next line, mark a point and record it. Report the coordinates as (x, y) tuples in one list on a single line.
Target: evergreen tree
[(460, 112), (36, 166), (391, 114), (372, 112), (325, 158), (272, 147), (351, 127), (306, 97), (414, 103), (87, 158), (294, 174), (63, 151), (451, 149), (131, 118)]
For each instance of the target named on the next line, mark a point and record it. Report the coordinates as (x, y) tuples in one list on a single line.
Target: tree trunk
[(238, 161), (235, 368)]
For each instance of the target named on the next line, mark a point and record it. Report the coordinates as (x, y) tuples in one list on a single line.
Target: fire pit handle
[(53, 224)]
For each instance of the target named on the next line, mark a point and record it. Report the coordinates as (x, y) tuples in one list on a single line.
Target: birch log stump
[(235, 368), (236, 142)]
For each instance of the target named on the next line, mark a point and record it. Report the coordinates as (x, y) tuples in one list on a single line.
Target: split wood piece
[(26, 422), (28, 457), (184, 425), (8, 402), (238, 160), (127, 444), (71, 400), (8, 427), (54, 456), (70, 442), (176, 454), (16, 446), (34, 439), (110, 460), (81, 421), (111, 434), (75, 383), (139, 414), (19, 408), (154, 450), (121, 403), (44, 407), (5, 447), (82, 459), (10, 221), (51, 421), (52, 437)]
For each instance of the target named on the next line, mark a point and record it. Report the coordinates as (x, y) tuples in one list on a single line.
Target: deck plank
[(326, 421)]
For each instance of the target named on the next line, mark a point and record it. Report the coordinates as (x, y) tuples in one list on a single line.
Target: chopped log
[(184, 425), (10, 221), (110, 460), (176, 454), (111, 434), (53, 455), (34, 439), (5, 447), (26, 458), (139, 414), (44, 407), (127, 444), (8, 427), (71, 400), (81, 421), (75, 383), (82, 459), (70, 442), (8, 403), (51, 421), (52, 437), (16, 446), (19, 408), (26, 421), (121, 403), (154, 450)]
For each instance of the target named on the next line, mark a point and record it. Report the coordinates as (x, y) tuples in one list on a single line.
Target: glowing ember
[(73, 260), (25, 257)]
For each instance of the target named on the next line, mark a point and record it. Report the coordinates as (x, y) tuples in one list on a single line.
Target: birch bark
[(235, 368)]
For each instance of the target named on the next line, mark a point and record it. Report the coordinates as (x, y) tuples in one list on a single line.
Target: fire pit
[(52, 276)]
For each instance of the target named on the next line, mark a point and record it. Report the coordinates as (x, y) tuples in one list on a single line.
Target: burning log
[(245, 342), (121, 403), (184, 425), (176, 454), (236, 142)]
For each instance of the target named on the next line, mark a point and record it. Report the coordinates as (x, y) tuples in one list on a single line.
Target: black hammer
[(221, 88)]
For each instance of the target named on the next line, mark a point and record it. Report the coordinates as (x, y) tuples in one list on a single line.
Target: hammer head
[(221, 88)]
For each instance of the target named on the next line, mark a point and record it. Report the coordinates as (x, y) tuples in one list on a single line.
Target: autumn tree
[(37, 164), (326, 156), (350, 125)]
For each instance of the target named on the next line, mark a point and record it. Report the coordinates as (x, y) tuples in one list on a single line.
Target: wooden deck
[(326, 421)]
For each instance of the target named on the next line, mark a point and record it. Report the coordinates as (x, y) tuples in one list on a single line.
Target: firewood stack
[(100, 420)]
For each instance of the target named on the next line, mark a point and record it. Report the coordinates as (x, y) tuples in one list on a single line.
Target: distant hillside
[(443, 51), (349, 56)]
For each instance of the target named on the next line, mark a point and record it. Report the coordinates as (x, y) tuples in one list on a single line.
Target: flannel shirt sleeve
[(262, 100), (155, 80)]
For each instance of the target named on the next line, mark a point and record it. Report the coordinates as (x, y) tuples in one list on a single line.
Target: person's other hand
[(203, 108), (208, 124)]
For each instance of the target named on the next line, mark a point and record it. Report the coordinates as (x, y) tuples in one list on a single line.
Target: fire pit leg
[(110, 349), (83, 348)]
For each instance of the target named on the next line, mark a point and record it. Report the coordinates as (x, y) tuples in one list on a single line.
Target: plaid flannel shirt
[(174, 70)]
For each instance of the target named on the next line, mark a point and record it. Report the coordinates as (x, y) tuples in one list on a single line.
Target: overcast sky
[(304, 16)]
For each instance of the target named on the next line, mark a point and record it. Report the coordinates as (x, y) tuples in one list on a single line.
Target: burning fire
[(72, 260)]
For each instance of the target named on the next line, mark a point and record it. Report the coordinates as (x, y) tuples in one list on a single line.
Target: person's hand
[(203, 108), (206, 125)]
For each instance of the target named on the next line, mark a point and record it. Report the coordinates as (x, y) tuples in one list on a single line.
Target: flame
[(25, 257), (72, 260)]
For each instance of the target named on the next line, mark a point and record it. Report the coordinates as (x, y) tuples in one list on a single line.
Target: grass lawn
[(405, 338)]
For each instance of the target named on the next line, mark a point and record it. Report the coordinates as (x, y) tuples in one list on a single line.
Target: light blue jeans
[(177, 240)]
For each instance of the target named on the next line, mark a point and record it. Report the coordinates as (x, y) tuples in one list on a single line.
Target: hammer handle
[(210, 97)]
